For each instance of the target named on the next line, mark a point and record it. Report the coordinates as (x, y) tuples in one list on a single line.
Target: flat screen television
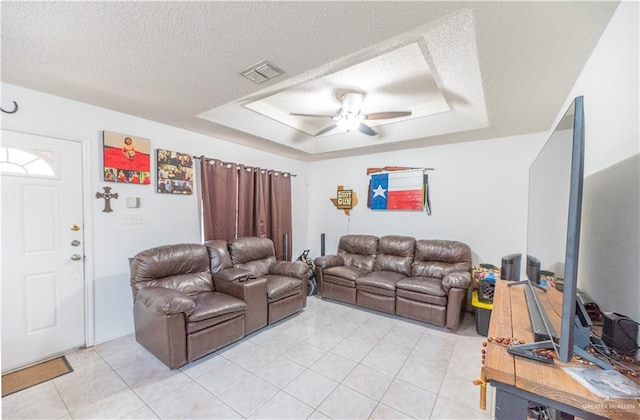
[(553, 227)]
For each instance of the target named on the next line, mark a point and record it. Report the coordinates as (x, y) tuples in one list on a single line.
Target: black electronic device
[(533, 269), (619, 332), (510, 267), (553, 232), (322, 244), (529, 354)]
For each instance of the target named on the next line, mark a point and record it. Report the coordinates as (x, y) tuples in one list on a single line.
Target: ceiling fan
[(350, 117)]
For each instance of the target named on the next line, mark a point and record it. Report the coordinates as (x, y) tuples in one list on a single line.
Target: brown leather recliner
[(286, 281), (178, 314), (437, 288)]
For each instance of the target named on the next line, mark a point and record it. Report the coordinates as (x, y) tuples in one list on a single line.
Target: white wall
[(478, 194), (168, 218), (609, 267)]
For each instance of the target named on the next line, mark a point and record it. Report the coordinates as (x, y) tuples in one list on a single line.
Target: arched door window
[(17, 161)]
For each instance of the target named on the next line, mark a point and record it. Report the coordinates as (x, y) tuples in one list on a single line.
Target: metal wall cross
[(107, 195)]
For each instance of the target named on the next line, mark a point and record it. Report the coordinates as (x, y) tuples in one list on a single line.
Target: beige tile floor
[(329, 361)]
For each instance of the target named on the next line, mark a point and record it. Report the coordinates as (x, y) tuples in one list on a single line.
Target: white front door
[(42, 247)]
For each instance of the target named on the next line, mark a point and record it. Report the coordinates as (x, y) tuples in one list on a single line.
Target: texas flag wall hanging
[(399, 190)]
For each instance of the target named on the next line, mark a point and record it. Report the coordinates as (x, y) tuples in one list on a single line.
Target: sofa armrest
[(165, 301), (457, 279), (232, 274), (295, 269), (328, 261)]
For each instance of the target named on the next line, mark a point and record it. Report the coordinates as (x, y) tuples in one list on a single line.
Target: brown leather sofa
[(422, 279), (182, 311)]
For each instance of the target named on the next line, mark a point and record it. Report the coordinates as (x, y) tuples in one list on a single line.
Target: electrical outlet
[(132, 219)]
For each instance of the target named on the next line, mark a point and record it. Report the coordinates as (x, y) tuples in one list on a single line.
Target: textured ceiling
[(502, 68)]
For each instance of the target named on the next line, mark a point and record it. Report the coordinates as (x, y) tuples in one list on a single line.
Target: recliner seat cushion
[(214, 304), (380, 279), (424, 285), (282, 286), (333, 274)]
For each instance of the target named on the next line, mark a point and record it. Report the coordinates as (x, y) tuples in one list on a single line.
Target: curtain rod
[(233, 163)]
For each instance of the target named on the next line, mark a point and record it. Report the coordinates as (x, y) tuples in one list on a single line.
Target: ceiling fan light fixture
[(349, 122)]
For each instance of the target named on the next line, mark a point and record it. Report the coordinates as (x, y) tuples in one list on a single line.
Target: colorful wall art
[(126, 158), (397, 190), (175, 172)]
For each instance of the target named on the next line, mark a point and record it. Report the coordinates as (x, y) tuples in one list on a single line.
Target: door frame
[(87, 214)]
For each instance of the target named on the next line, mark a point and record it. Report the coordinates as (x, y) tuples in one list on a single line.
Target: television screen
[(555, 203)]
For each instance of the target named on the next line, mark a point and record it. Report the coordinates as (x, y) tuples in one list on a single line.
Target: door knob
[(76, 257)]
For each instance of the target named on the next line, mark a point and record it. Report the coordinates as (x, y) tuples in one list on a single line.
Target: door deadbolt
[(75, 242)]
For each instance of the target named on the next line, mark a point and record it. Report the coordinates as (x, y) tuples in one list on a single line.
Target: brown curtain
[(219, 198), (254, 202), (280, 212)]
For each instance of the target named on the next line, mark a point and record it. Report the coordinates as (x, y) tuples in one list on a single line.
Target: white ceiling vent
[(261, 72)]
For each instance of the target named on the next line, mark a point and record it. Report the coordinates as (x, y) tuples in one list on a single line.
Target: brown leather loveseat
[(191, 299), (426, 280)]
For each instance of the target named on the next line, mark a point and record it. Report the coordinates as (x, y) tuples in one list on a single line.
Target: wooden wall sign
[(345, 199)]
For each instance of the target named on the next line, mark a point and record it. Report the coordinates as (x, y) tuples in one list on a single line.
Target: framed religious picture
[(126, 158), (175, 172)]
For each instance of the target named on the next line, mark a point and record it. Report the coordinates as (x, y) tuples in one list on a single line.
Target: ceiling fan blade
[(313, 115), (385, 115), (366, 130), (325, 130)]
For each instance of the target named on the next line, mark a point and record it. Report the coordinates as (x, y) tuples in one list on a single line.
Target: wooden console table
[(519, 380)]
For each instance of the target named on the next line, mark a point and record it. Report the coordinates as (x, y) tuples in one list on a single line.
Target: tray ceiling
[(467, 70)]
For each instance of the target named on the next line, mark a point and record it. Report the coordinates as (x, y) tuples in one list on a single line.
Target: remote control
[(530, 354)]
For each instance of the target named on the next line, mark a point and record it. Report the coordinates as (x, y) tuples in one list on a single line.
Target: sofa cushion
[(395, 253), (214, 304), (244, 250), (181, 267), (344, 272), (436, 258), (380, 279), (253, 254), (282, 286), (358, 251), (423, 285)]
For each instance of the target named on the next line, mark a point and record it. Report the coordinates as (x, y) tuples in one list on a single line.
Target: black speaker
[(322, 244), (285, 247), (620, 332), (510, 268), (533, 269)]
